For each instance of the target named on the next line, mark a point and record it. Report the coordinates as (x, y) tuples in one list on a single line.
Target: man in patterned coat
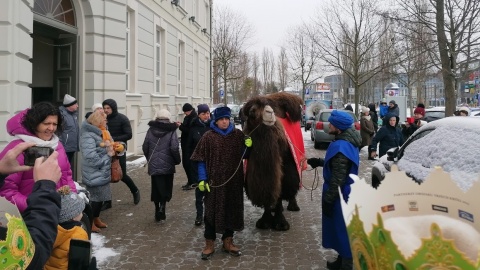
[(219, 155)]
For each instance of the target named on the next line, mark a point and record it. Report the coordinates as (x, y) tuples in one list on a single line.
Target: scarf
[(53, 143), (105, 134)]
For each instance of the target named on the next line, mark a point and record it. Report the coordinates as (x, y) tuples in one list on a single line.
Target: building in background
[(146, 54)]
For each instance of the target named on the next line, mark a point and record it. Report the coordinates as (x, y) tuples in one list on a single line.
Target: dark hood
[(372, 108), (387, 117), (350, 135), (160, 127), (113, 104)]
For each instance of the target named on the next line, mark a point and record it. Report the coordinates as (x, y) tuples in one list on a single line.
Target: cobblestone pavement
[(142, 243)]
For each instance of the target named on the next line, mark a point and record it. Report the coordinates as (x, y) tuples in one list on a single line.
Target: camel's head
[(259, 110)]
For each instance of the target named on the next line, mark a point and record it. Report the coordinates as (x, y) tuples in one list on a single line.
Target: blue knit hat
[(340, 120), (222, 112)]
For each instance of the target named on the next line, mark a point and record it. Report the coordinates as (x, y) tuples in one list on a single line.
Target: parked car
[(311, 108), (475, 112), (235, 110), (320, 127), (446, 142)]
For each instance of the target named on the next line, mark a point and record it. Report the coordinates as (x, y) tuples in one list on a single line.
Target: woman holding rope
[(219, 155)]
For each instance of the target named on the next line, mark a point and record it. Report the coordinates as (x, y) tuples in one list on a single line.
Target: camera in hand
[(34, 152)]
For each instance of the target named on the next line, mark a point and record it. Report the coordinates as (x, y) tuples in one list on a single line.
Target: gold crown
[(17, 249), (372, 244)]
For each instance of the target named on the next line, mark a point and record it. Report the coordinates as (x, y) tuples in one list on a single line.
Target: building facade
[(146, 54)]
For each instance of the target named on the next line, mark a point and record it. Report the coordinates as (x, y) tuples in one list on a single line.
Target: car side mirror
[(392, 154)]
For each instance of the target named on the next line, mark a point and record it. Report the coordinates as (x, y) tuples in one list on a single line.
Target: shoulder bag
[(117, 173)]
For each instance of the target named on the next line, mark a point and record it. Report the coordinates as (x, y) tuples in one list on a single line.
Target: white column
[(16, 25)]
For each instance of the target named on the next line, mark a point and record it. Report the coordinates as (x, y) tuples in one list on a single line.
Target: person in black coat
[(389, 136), (373, 115), (200, 125), (121, 131), (184, 127), (161, 150), (43, 210)]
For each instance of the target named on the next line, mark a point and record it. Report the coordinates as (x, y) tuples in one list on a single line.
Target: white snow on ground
[(99, 251)]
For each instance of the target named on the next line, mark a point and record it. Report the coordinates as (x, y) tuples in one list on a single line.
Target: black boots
[(340, 264), (335, 265), (106, 205), (198, 220), (136, 197), (160, 211)]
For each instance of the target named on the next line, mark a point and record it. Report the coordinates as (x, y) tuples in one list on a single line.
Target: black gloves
[(327, 208), (315, 162)]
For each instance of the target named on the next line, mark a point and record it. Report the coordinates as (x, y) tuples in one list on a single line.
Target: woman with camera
[(97, 149), (40, 125)]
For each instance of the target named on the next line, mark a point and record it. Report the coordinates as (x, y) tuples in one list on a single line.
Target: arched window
[(59, 10)]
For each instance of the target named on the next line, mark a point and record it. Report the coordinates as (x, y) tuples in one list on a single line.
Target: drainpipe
[(211, 59)]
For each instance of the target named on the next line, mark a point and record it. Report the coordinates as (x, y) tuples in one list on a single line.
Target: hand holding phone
[(34, 152)]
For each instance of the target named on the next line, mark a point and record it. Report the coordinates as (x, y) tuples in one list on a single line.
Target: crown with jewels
[(16, 244), (403, 225)]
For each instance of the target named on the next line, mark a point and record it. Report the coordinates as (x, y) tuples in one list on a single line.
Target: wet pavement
[(176, 243)]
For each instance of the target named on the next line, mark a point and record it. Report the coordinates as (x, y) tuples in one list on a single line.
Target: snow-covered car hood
[(454, 145)]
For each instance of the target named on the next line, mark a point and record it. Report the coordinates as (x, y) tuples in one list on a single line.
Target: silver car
[(319, 132)]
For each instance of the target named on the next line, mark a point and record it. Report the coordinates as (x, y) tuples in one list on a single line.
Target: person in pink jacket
[(38, 125)]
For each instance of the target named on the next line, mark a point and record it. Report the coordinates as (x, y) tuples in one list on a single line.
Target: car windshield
[(435, 114), (444, 147)]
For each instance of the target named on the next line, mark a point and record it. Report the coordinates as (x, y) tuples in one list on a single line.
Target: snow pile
[(100, 252)]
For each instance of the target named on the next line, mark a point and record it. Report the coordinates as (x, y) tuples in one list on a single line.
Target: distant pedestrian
[(219, 154), (162, 152), (393, 108), (389, 136), (71, 131), (95, 107), (121, 131), (341, 159), (373, 115), (383, 108), (184, 127), (418, 121), (367, 128), (200, 125), (349, 107)]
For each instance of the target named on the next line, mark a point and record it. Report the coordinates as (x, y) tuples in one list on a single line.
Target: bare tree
[(303, 56), (230, 35), (282, 68), (455, 24), (350, 33), (268, 70), (255, 69)]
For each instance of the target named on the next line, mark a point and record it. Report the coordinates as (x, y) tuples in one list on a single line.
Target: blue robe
[(334, 230)]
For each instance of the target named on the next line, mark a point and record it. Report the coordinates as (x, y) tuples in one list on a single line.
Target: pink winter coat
[(19, 185)]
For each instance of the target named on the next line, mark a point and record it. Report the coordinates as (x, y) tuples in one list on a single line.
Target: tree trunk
[(447, 72)]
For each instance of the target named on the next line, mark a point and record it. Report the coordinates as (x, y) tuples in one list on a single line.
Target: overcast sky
[(271, 18)]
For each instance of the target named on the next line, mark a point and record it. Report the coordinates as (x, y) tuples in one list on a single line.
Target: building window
[(180, 67), (159, 69), (127, 50), (195, 73), (59, 10)]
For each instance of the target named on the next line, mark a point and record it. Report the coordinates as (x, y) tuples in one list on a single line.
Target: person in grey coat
[(162, 151), (70, 134), (97, 149)]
